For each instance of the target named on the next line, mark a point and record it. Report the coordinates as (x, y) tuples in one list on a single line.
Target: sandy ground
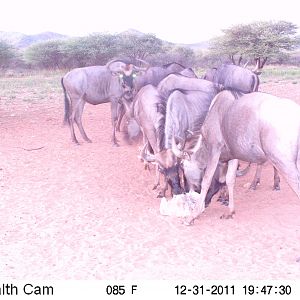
[(89, 211)]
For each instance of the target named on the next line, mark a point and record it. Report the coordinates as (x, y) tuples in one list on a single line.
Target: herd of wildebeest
[(195, 130)]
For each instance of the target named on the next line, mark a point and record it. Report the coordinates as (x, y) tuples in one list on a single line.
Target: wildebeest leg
[(230, 181), (218, 181), (114, 118), (142, 155), (291, 173), (207, 178), (221, 176), (223, 195), (256, 179), (71, 123), (78, 119), (157, 178), (163, 190), (276, 186), (121, 113)]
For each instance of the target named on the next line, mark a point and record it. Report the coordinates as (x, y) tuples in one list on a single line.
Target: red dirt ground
[(89, 212)]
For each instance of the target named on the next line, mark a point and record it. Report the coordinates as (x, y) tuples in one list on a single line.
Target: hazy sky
[(186, 21)]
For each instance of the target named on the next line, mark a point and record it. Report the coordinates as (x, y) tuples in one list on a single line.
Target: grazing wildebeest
[(184, 116), (96, 85), (250, 128), (149, 112)]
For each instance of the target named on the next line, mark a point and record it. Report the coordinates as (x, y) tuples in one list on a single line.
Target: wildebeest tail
[(67, 103)]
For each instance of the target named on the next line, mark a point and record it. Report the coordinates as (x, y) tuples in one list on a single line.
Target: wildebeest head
[(126, 72), (168, 165), (193, 160)]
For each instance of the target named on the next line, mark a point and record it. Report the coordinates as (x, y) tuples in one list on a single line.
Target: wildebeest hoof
[(155, 186), (276, 188), (116, 144), (224, 201), (88, 140), (188, 221), (253, 186), (227, 216)]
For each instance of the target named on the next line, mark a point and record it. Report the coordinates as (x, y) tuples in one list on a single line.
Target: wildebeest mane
[(161, 107), (236, 93)]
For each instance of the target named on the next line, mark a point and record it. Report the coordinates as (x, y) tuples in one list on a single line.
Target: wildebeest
[(184, 116), (187, 105), (149, 112), (96, 85), (234, 77), (250, 128)]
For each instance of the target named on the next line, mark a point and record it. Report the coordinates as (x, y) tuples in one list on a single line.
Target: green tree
[(183, 55), (102, 48), (8, 55), (48, 55), (136, 46), (75, 53), (258, 42)]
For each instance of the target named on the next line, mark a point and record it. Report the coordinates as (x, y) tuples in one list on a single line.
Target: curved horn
[(257, 69), (144, 62), (111, 61), (146, 156), (140, 68), (121, 67), (246, 64)]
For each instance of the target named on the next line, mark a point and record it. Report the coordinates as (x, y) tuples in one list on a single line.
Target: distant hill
[(132, 31), (195, 46), (20, 40)]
